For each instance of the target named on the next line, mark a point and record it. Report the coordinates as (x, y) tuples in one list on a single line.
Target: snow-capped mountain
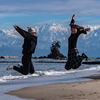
[(11, 42)]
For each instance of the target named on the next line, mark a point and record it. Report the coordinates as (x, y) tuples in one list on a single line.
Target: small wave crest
[(10, 76)]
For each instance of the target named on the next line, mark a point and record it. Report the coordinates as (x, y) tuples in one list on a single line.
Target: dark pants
[(74, 59), (27, 65)]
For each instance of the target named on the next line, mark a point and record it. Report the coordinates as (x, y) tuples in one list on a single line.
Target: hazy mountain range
[(11, 42)]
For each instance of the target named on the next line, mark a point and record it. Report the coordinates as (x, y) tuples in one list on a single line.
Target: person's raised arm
[(72, 20), (87, 29), (73, 16), (22, 32), (84, 31)]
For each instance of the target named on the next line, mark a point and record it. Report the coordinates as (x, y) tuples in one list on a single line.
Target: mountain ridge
[(11, 42)]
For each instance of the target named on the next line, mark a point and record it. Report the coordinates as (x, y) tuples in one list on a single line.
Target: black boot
[(84, 55)]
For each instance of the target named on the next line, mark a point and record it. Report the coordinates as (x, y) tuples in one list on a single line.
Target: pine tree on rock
[(55, 53)]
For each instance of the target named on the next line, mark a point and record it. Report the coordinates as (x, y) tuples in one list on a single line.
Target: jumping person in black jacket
[(30, 42), (74, 58)]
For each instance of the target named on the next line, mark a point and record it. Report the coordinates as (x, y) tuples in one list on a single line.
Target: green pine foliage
[(55, 53)]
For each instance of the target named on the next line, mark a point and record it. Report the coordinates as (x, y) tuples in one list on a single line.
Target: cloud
[(44, 22), (86, 7)]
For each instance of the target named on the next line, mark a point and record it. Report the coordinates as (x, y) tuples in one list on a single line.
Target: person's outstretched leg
[(32, 70), (67, 66), (26, 65), (68, 63), (76, 59)]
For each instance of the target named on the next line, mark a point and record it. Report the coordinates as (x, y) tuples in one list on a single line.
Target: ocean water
[(43, 67), (47, 71)]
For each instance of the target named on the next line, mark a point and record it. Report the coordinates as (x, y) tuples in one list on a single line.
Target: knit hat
[(31, 30)]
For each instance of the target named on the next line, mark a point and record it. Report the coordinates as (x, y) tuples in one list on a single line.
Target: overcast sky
[(38, 12)]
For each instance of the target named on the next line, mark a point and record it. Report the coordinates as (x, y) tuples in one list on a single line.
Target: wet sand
[(87, 90)]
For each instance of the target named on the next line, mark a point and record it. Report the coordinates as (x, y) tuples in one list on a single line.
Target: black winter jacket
[(72, 40), (30, 41)]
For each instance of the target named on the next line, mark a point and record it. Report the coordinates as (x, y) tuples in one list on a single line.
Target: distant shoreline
[(10, 56), (60, 60), (41, 57), (52, 61)]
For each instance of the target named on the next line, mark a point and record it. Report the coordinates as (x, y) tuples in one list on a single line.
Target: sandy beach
[(87, 90)]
